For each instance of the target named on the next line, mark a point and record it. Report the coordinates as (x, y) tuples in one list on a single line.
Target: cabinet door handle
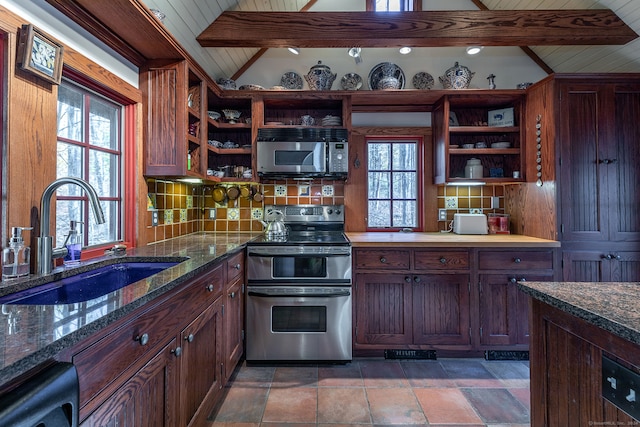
[(614, 256), (407, 279), (383, 260), (517, 260), (416, 279), (607, 256), (142, 339), (232, 294), (189, 338), (177, 351), (522, 279), (210, 288), (443, 260), (513, 280), (237, 266)]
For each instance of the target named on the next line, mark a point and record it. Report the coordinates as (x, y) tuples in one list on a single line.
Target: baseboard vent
[(410, 354), (506, 355)]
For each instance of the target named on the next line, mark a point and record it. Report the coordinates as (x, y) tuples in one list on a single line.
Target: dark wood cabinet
[(601, 266), (147, 399), (234, 314), (401, 302)]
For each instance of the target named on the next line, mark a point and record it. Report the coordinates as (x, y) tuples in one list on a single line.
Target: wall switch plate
[(154, 218), (495, 202), (442, 214), (212, 214)]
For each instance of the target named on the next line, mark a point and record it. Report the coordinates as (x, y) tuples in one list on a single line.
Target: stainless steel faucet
[(45, 251)]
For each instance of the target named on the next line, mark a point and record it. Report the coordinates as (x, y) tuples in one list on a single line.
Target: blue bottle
[(73, 244)]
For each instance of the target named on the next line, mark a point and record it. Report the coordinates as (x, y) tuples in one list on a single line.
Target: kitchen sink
[(88, 285)]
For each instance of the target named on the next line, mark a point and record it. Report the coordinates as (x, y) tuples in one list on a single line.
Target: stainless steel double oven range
[(299, 288)]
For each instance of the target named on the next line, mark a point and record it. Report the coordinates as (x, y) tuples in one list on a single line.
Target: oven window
[(299, 319), (294, 158), (284, 267)]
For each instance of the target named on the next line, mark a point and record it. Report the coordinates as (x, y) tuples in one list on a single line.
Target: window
[(394, 187), (393, 5), (90, 148)]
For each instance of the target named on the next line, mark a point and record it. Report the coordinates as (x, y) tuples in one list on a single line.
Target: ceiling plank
[(417, 29)]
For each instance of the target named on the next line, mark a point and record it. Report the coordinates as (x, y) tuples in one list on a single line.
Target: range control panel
[(621, 386)]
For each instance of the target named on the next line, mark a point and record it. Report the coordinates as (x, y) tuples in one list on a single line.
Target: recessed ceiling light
[(405, 50), (355, 52), (294, 50), (472, 50)]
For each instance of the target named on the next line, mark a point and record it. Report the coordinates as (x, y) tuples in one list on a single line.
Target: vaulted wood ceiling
[(187, 19)]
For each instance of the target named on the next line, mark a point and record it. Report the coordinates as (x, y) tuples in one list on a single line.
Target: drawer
[(382, 259), (121, 347), (235, 266), (441, 260), (515, 260)]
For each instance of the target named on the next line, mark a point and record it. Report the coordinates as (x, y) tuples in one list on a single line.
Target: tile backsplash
[(469, 199)]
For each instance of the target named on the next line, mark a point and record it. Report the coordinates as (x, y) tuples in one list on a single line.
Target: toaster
[(470, 224)]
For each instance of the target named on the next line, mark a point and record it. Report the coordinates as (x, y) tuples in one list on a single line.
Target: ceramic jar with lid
[(456, 77), (320, 77), (473, 169)]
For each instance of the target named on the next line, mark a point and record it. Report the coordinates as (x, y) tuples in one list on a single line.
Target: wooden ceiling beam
[(417, 29)]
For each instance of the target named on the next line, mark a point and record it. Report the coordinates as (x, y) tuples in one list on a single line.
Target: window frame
[(419, 140), (127, 173)]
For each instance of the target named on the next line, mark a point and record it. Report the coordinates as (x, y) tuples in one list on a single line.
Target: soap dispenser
[(16, 257), (73, 244)]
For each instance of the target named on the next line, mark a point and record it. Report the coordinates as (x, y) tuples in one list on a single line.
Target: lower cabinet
[(398, 305), (601, 266), (462, 300), (155, 385), (165, 364)]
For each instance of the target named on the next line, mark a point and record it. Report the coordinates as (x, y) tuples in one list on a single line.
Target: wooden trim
[(418, 29)]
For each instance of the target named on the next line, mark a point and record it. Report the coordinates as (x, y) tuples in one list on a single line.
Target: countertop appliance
[(299, 292), (470, 224), (302, 153)]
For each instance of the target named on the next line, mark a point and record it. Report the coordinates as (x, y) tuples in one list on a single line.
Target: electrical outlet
[(442, 214), (495, 202), (154, 218), (212, 214)]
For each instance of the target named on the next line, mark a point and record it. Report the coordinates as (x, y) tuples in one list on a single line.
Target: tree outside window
[(89, 147), (393, 168)]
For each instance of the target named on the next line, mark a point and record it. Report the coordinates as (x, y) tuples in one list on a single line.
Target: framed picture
[(40, 54)]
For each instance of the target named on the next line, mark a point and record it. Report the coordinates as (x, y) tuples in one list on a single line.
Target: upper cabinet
[(481, 126), (289, 110)]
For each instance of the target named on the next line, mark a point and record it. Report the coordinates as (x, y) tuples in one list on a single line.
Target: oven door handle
[(335, 294), (296, 255)]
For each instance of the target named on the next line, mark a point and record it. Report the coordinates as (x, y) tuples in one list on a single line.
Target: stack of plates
[(331, 121), (502, 144)]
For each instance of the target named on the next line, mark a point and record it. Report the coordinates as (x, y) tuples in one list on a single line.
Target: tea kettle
[(320, 77), (275, 229)]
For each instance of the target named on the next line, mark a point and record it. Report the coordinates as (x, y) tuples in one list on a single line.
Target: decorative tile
[(151, 201), (257, 213), (183, 215), (233, 214), (189, 202), (496, 405), (303, 190), (168, 216), (280, 190), (451, 202), (327, 190)]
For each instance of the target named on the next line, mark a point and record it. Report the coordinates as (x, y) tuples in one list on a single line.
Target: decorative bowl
[(468, 146), (232, 116), (214, 115), (226, 83), (251, 87)]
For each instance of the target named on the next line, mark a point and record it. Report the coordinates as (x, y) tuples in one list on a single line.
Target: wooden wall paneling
[(355, 189)]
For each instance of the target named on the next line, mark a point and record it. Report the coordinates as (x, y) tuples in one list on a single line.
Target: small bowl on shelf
[(468, 146), (214, 115), (501, 144), (232, 116)]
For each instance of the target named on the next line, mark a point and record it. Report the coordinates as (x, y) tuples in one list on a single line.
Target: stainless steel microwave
[(302, 153)]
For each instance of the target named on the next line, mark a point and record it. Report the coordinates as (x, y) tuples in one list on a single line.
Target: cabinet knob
[(237, 266), (143, 339), (177, 351), (210, 288), (513, 280), (189, 338), (607, 256), (407, 279), (232, 294), (517, 260), (443, 260), (383, 260), (416, 279), (522, 279), (614, 256)]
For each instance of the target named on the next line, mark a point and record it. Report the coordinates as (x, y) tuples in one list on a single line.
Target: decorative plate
[(385, 69), (351, 81), (291, 80), (423, 80), (250, 87)]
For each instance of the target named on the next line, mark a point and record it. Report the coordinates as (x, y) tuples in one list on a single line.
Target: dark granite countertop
[(31, 335), (612, 306)]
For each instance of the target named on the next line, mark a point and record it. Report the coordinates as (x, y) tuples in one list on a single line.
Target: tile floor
[(378, 392)]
